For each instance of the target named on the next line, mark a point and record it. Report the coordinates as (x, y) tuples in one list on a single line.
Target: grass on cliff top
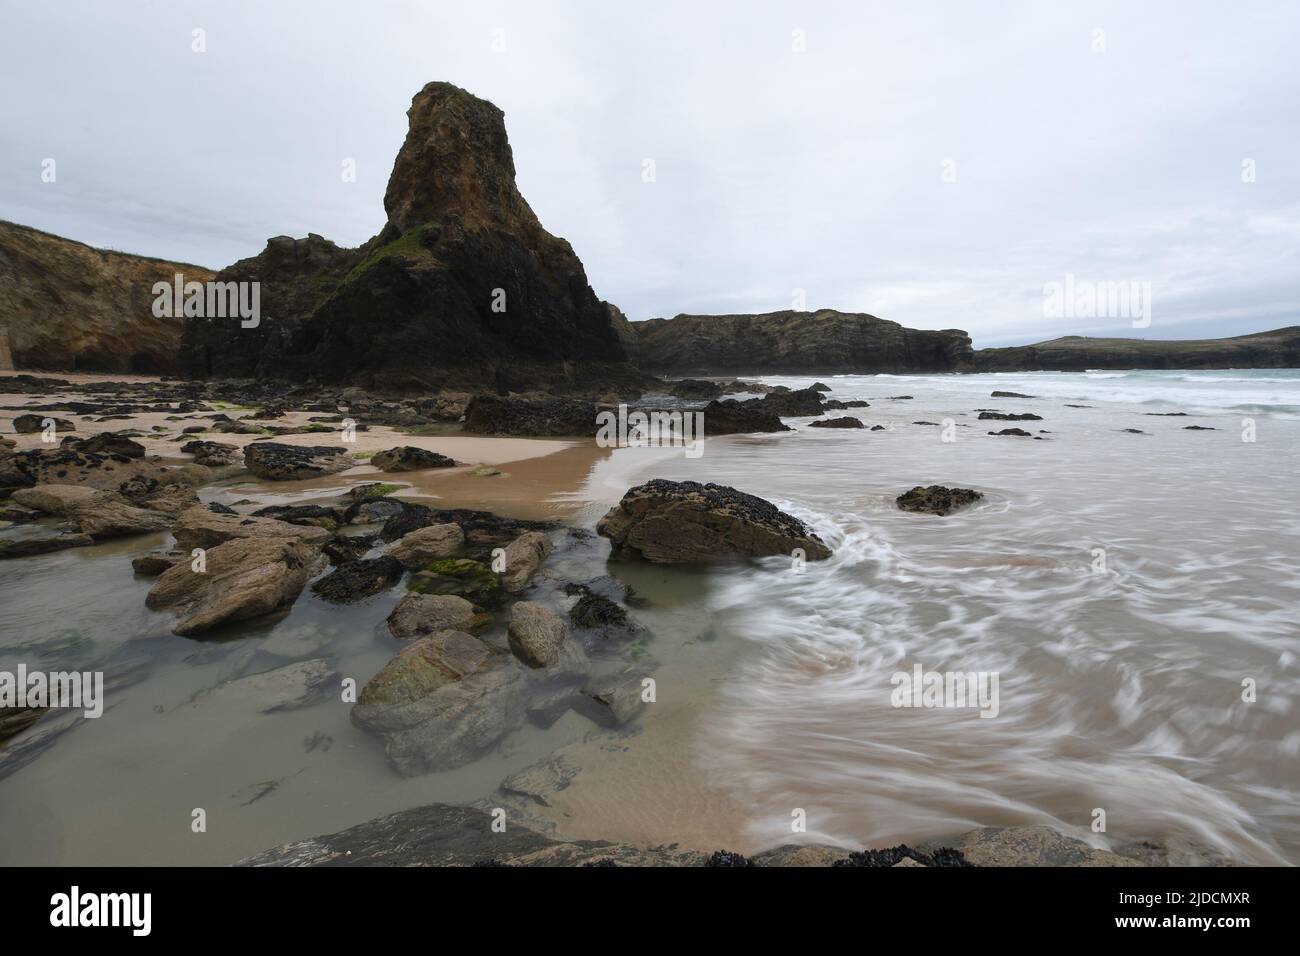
[(407, 244)]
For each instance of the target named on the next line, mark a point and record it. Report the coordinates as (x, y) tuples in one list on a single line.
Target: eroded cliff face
[(463, 288), (822, 341), (1279, 348), (66, 306)]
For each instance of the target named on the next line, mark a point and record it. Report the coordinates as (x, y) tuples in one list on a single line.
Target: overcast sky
[(1114, 156)]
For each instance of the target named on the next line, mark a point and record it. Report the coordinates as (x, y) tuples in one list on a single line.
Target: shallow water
[(1120, 689)]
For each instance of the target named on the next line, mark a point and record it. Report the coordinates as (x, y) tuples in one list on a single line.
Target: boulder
[(440, 702), (803, 401), (213, 454), (845, 422), (31, 424), (523, 557), (202, 528), (54, 499), (244, 578), (356, 580), (673, 522), (410, 458), (110, 515), (417, 549), (537, 637), (106, 443), (998, 394), (694, 388), (421, 614), (1015, 432), (937, 499), (276, 462), (731, 417), (493, 415)]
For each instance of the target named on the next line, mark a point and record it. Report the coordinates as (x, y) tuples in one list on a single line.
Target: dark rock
[(1017, 432), (1198, 428), (694, 388), (732, 417), (490, 415), (356, 580), (106, 443), (997, 394), (845, 422), (277, 462), (212, 454), (892, 856), (1003, 417), (31, 424), (410, 458), (345, 548), (318, 516), (937, 499), (671, 522)]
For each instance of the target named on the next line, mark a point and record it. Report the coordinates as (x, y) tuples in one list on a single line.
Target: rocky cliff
[(463, 288), (66, 306), (1075, 353), (823, 341)]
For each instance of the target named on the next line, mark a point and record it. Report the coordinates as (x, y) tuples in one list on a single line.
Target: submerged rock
[(290, 687), (937, 499), (845, 422), (673, 522), (441, 702), (28, 547), (244, 578), (997, 394)]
